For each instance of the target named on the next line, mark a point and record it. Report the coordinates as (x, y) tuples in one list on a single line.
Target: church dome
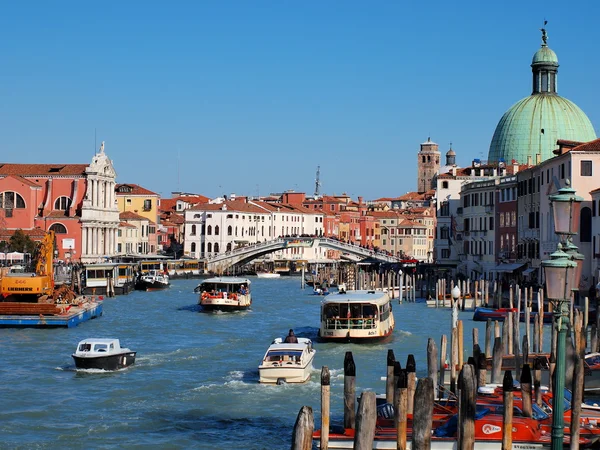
[(533, 125), (544, 55)]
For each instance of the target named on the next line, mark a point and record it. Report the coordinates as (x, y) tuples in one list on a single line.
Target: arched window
[(209, 231), (193, 232), (229, 230), (62, 203), (216, 230), (11, 200), (236, 231), (585, 225), (193, 247), (216, 247), (209, 247), (228, 247), (58, 228)]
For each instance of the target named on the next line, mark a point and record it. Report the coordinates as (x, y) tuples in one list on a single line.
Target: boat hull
[(287, 372), (150, 286), (482, 314), (240, 303), (110, 362), (352, 337)]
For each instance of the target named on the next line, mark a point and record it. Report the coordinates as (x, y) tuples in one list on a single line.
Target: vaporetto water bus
[(356, 316), (224, 294)]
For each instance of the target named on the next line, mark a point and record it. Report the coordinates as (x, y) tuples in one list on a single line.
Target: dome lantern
[(544, 66)]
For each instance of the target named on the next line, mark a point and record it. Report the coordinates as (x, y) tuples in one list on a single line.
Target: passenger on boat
[(291, 338), (243, 290)]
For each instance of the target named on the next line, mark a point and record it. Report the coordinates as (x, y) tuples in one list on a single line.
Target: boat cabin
[(98, 346), (359, 315), (229, 285)]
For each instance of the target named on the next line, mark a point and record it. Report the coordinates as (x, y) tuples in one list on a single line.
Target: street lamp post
[(560, 273)]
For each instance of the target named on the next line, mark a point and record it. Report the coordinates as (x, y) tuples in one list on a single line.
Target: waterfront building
[(75, 200), (506, 236), (135, 240), (529, 193), (529, 130), (132, 198)]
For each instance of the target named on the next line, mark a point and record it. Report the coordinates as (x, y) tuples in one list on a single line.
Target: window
[(62, 203), (491, 223), (11, 200), (585, 225), (444, 185), (444, 233), (216, 231), (209, 231), (58, 228), (586, 168), (229, 230), (193, 247), (501, 224), (147, 205), (193, 232)]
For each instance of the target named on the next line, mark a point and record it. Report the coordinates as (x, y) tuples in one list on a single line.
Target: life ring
[(234, 296), (204, 295)]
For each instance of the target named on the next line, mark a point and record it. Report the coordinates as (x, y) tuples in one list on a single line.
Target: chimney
[(515, 168), (495, 172), (454, 171), (538, 159), (529, 160)]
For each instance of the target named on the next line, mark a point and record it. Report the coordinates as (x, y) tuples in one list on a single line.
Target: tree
[(20, 242)]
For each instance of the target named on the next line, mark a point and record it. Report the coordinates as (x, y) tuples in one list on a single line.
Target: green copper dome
[(533, 125), (545, 55)]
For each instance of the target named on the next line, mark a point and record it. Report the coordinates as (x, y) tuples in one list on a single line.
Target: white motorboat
[(104, 354), (287, 362), (224, 294), (268, 274), (151, 280)]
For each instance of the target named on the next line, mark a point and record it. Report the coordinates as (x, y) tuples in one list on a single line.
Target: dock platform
[(70, 319)]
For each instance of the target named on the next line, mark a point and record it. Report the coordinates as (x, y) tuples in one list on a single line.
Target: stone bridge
[(221, 262)]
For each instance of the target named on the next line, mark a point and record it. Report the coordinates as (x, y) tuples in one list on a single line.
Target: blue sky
[(249, 97)]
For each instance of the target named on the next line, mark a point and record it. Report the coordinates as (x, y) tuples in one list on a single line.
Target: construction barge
[(31, 299), (45, 315)]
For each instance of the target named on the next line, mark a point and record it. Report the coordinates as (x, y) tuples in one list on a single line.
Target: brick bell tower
[(428, 165)]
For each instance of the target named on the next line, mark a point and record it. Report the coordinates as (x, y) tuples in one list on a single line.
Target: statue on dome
[(102, 147), (544, 34)]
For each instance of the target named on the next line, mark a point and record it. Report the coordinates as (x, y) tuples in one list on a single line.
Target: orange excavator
[(36, 284)]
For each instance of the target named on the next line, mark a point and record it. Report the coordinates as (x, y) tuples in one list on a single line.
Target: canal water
[(195, 380)]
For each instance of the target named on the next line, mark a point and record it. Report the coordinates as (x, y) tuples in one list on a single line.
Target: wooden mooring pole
[(325, 406), (302, 439), (423, 415), (349, 391), (366, 418)]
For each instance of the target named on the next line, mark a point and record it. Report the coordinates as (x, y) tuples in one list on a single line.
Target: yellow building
[(136, 199)]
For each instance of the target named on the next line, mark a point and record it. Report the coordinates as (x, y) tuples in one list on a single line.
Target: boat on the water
[(319, 291), (268, 274), (356, 316), (224, 294), (287, 362), (526, 434), (482, 314), (152, 280), (104, 354)]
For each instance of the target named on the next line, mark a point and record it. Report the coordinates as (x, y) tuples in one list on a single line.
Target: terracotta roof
[(42, 169), (231, 206), (567, 143), (33, 233), (135, 190), (411, 223), (176, 218), (384, 214), (167, 204), (125, 224), (58, 214), (466, 171), (592, 146), (129, 215), (383, 199)]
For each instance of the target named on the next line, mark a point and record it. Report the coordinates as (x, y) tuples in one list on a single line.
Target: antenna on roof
[(318, 181)]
